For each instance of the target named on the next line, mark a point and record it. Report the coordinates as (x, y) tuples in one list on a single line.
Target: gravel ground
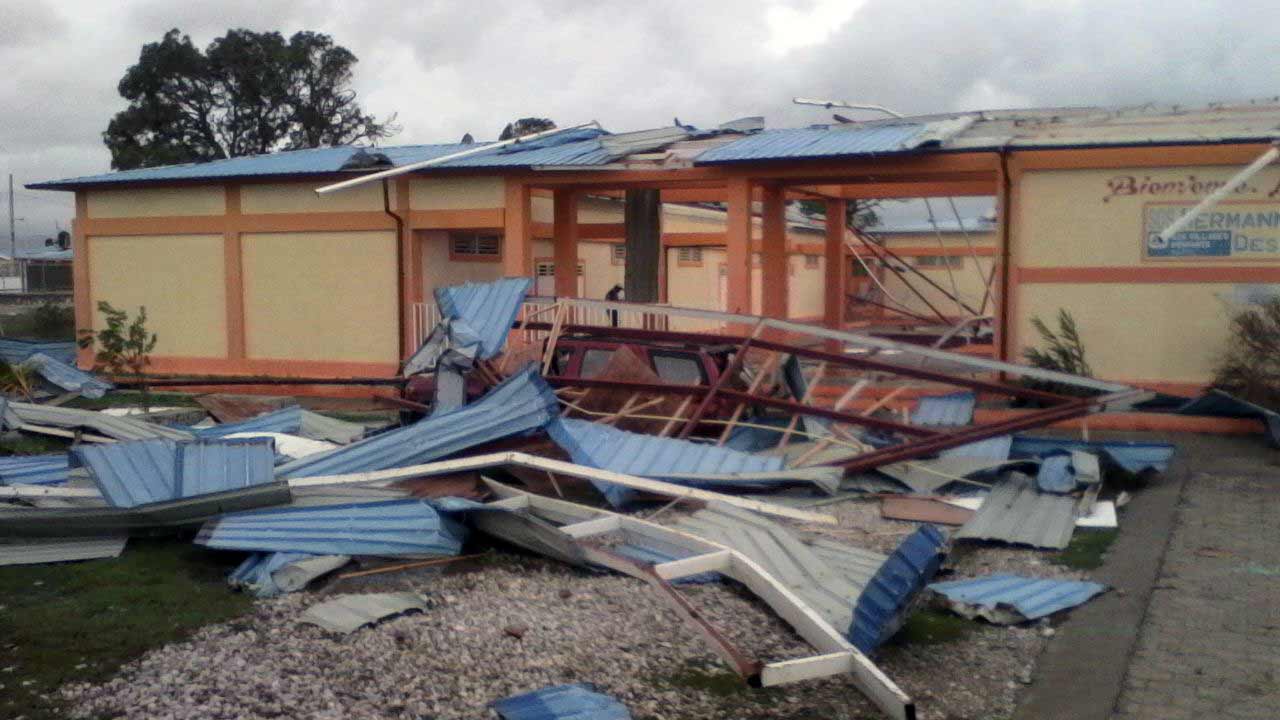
[(574, 626)]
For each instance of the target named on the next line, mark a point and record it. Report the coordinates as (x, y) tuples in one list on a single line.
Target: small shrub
[(20, 379), (1250, 367), (124, 347), (1064, 352)]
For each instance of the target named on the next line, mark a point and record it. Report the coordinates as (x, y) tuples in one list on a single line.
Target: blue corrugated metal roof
[(571, 148), (1132, 456), (608, 448), (15, 351), (1031, 598), (1221, 404), (34, 469), (949, 410), (147, 471), (68, 377), (314, 161), (562, 702), (996, 448), (388, 527), (488, 309), (285, 420), (817, 142), (522, 402), (883, 604), (1055, 474)]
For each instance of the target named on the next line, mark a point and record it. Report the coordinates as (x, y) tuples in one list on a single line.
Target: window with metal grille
[(475, 246), (689, 255), (618, 253)]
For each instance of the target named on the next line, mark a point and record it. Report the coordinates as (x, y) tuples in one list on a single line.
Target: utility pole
[(13, 234)]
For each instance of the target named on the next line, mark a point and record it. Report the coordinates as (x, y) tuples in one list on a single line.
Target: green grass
[(1086, 549), (32, 445), (929, 626), (79, 622), (132, 398)]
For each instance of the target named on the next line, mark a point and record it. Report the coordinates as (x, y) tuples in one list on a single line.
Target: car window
[(560, 363), (679, 368), (593, 361)]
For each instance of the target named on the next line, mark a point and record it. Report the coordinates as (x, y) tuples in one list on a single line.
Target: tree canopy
[(526, 126), (247, 93)]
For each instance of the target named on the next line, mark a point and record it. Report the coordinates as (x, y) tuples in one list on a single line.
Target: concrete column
[(644, 246), (775, 277), (836, 274), (565, 242), (517, 239)]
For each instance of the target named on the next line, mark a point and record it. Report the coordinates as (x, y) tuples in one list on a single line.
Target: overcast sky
[(447, 68)]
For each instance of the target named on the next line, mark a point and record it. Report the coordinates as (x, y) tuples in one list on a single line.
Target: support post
[(643, 228), (82, 298), (738, 246), (233, 269), (565, 242), (775, 278), (517, 239)]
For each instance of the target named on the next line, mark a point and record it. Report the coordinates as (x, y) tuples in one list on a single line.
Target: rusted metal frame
[(766, 369), (869, 241), (977, 264), (734, 365), (929, 446), (862, 363), (735, 658), (942, 247), (630, 409), (807, 399), (871, 422), (188, 382), (877, 250), (678, 417)]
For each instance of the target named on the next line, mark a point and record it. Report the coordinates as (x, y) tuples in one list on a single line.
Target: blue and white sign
[(1245, 231)]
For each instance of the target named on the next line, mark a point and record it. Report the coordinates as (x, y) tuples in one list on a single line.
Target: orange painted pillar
[(411, 291), (565, 242), (775, 277), (738, 245), (517, 238), (835, 273), (233, 269)]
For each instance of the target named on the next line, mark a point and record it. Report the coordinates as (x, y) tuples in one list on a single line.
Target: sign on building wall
[(1238, 230)]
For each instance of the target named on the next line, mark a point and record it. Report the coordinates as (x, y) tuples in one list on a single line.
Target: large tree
[(526, 126), (247, 93)]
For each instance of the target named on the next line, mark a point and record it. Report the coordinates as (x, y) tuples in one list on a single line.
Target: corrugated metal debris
[(522, 402), (927, 510), (1007, 599), (291, 421), (1222, 404), (819, 142), (487, 310), (35, 469), (952, 410), (14, 351), (67, 377), (386, 527), (892, 593), (1063, 472), (20, 416), (288, 447), (607, 448), (1016, 512), (348, 613), (1134, 457), (929, 477), (271, 574), (150, 471), (34, 551), (562, 702)]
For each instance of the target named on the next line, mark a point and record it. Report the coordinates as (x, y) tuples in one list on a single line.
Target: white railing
[(425, 317)]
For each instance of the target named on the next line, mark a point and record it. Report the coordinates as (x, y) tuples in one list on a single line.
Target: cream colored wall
[(599, 272), (1168, 333), (302, 198), (439, 271), (157, 202), (970, 278), (1076, 218), (807, 291), (457, 193), (179, 279), (321, 296)]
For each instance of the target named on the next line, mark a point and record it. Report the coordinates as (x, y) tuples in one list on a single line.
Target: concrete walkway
[(1192, 626)]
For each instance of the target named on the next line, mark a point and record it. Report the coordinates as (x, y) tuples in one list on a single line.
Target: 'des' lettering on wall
[(1243, 230)]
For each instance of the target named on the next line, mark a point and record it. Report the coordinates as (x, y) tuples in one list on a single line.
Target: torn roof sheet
[(561, 702), (488, 309), (292, 420), (149, 471), (15, 351), (996, 448), (608, 448), (889, 596), (1222, 404), (17, 414), (68, 377), (52, 469), (34, 551), (992, 596), (271, 574), (348, 613), (520, 403), (1015, 512), (1132, 456), (409, 526), (951, 410)]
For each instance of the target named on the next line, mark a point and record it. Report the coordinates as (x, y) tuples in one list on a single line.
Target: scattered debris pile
[(557, 426)]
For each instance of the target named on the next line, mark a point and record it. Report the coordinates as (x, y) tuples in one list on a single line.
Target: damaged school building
[(768, 376), (241, 264)]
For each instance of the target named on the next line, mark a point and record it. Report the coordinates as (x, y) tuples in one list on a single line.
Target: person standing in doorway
[(614, 295)]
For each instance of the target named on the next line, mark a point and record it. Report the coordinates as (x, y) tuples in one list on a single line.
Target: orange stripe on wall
[(1135, 274)]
